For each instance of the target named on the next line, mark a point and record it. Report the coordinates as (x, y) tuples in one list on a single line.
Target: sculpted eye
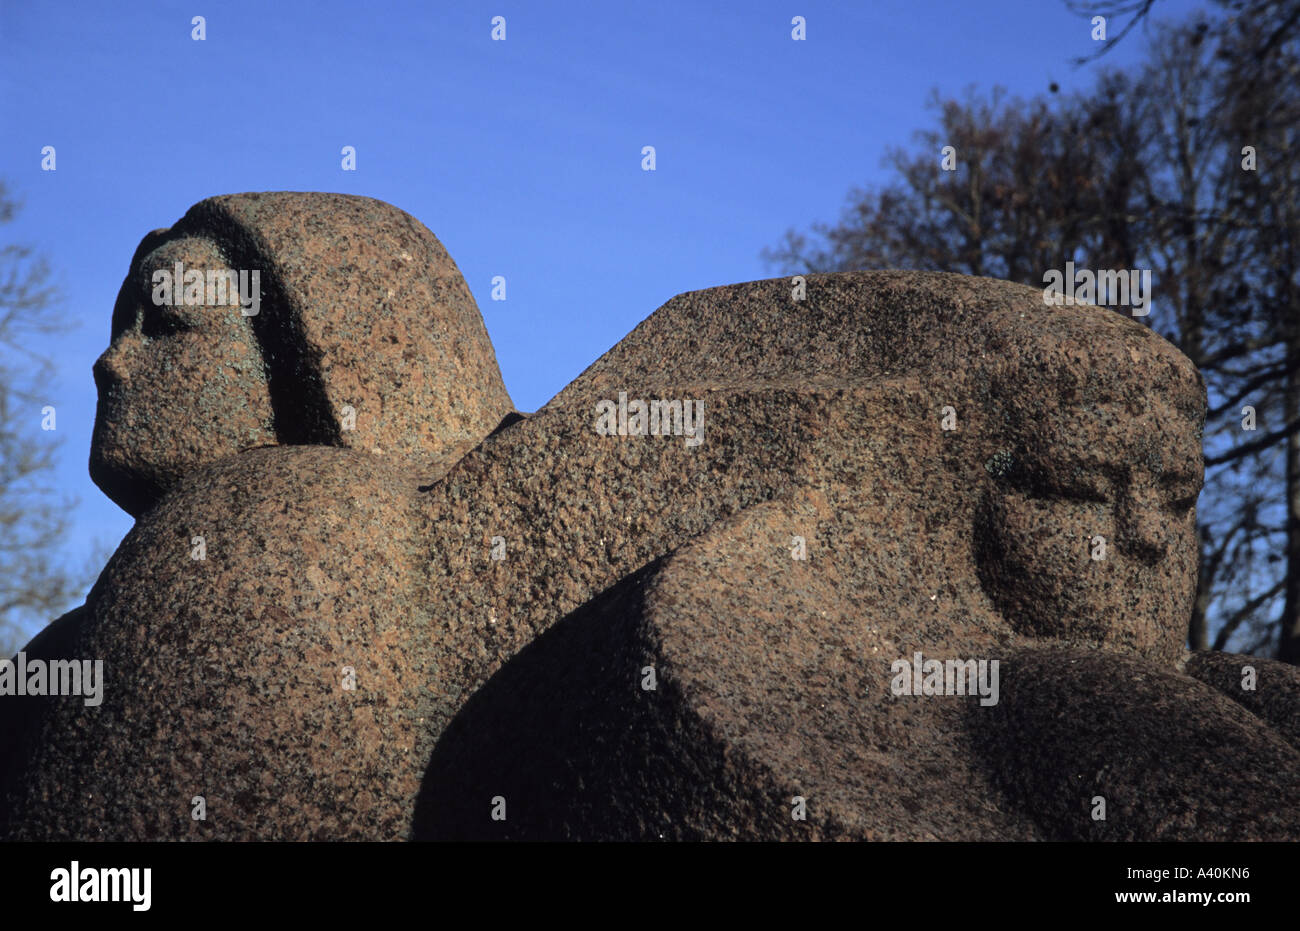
[(1046, 484), (1084, 487), (1181, 493), (164, 319)]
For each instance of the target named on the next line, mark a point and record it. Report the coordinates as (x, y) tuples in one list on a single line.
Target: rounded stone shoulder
[(264, 648)]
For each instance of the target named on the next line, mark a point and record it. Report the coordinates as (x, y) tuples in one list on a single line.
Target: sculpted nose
[(1144, 523), (110, 369)]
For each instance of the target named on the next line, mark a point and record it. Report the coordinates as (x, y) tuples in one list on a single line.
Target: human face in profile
[(179, 385)]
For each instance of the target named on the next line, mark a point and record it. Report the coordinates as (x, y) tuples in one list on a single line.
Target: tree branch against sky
[(34, 586)]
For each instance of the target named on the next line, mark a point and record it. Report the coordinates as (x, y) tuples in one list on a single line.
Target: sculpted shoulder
[(294, 528), (264, 614)]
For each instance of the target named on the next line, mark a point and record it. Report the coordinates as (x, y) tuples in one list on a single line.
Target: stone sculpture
[(420, 614)]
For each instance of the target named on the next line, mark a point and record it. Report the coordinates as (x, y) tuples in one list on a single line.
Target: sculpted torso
[(411, 601)]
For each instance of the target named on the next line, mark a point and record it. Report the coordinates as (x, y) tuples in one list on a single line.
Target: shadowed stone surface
[(773, 681), (975, 543), (1269, 690), (501, 593)]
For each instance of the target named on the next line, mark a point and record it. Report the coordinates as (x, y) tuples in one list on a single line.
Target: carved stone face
[(1089, 531), (366, 338), (179, 386)]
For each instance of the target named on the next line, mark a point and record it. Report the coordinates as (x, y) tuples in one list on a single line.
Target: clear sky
[(523, 156)]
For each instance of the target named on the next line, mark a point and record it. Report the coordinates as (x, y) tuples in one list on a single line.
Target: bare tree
[(1260, 105), (1249, 116), (1271, 24), (34, 585)]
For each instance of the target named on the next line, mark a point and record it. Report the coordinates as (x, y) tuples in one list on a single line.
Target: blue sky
[(522, 156)]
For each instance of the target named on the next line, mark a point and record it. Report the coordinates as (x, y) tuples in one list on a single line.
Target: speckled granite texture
[(454, 611)]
